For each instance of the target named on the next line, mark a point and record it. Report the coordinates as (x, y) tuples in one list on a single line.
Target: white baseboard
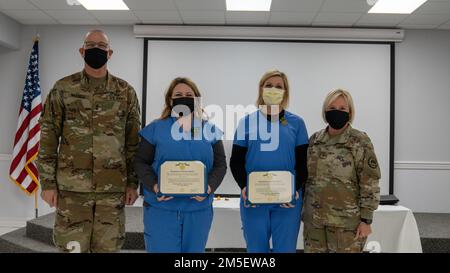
[(12, 223)]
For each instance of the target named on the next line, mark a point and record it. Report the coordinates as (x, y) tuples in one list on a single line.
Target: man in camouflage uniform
[(342, 191), (89, 135)]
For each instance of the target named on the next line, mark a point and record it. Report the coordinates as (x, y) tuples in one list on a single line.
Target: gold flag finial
[(36, 38)]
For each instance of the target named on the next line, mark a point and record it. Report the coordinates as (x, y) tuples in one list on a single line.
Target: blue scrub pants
[(266, 221), (167, 231)]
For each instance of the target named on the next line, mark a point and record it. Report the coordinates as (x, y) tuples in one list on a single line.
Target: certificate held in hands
[(272, 187), (183, 178)]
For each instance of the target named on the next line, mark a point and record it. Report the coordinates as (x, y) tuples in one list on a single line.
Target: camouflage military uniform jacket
[(89, 135), (342, 186)]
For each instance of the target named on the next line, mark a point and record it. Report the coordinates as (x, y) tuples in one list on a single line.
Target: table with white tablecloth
[(394, 229)]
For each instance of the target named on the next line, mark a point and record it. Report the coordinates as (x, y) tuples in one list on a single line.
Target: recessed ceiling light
[(248, 5), (104, 4), (396, 6)]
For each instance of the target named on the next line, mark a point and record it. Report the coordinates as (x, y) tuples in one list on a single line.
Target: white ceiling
[(434, 14)]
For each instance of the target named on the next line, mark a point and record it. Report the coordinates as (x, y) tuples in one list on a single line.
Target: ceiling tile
[(203, 17), (381, 19), (445, 26), (118, 22), (425, 19), (345, 6), (77, 15), (79, 22), (161, 17), (433, 14), (434, 8), (304, 6), (151, 4), (28, 15), (55, 4), (39, 22), (16, 4), (125, 15), (160, 22), (338, 18), (331, 25), (247, 18), (291, 18), (201, 4)]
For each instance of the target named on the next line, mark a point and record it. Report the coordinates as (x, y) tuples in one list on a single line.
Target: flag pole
[(36, 211)]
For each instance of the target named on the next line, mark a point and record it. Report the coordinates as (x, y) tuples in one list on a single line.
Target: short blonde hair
[(332, 96), (273, 73)]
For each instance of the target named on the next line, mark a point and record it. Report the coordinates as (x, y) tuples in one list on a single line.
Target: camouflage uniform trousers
[(326, 239), (94, 220)]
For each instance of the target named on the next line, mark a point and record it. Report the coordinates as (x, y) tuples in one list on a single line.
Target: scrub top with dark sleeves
[(194, 145), (292, 133)]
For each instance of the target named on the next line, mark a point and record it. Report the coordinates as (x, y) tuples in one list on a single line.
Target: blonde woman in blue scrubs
[(263, 222)]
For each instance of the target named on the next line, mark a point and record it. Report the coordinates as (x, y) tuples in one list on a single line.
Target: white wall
[(422, 98), (58, 57), (422, 126), (9, 32)]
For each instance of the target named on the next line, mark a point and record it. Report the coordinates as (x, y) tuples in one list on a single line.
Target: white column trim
[(421, 165), (5, 157)]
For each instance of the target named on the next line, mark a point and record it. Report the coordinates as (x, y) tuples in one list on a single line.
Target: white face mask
[(273, 96)]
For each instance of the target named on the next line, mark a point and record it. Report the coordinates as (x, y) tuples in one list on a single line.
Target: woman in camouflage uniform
[(342, 189)]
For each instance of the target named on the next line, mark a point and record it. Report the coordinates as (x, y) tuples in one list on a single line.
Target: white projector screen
[(228, 72)]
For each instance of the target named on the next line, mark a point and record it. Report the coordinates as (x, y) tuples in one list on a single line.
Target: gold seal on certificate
[(182, 178), (273, 187)]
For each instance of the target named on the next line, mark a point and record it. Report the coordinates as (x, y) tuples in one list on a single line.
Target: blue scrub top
[(292, 133), (196, 145)]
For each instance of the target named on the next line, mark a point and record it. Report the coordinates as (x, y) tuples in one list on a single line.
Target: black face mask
[(95, 57), (337, 119), (178, 103)]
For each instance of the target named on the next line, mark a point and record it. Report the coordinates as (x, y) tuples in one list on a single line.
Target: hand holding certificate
[(272, 187), (183, 178)]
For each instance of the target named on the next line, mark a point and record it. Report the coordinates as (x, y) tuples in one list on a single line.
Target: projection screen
[(227, 72)]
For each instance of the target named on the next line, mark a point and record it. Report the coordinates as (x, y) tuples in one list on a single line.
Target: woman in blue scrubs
[(284, 150), (178, 224)]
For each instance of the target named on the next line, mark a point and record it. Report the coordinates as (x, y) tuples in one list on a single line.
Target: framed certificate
[(270, 187), (182, 178)]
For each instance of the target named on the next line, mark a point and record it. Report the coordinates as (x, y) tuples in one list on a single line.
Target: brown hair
[(168, 96)]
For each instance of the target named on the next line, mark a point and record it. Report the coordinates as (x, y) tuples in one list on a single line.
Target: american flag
[(26, 143)]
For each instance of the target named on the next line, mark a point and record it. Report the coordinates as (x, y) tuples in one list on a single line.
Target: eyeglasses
[(101, 45)]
